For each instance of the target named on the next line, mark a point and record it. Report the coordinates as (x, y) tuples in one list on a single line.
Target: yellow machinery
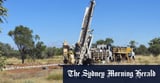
[(65, 52), (121, 53), (113, 54), (68, 54), (81, 54)]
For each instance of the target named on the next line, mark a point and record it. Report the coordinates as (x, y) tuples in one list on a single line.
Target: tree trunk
[(22, 57)]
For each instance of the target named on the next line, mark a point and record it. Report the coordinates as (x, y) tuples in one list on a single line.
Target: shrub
[(55, 76), (2, 61)]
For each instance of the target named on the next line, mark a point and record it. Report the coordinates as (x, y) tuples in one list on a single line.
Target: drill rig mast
[(85, 39)]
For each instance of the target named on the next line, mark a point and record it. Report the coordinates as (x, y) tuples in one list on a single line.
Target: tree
[(132, 44), (6, 49), (3, 12), (109, 41), (23, 38), (50, 51), (39, 48), (100, 42), (59, 51), (94, 45), (154, 41), (53, 51), (142, 49), (154, 46), (2, 59)]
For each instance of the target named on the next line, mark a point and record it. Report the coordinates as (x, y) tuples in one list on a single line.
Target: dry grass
[(30, 80), (53, 77), (147, 60), (39, 76), (144, 60), (54, 60), (139, 60), (11, 61)]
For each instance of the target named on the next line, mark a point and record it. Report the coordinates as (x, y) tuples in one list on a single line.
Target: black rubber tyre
[(65, 61), (88, 62)]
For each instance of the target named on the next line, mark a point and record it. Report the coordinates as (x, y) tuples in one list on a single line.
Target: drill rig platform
[(82, 54)]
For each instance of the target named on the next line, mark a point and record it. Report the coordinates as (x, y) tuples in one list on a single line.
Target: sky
[(58, 20)]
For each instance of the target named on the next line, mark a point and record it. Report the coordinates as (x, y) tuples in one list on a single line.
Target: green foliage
[(98, 42), (106, 41), (2, 61), (27, 43), (154, 41), (155, 49), (109, 41), (142, 50), (132, 44), (58, 51), (154, 46), (13, 53), (39, 48), (49, 52), (7, 50), (52, 51), (93, 45), (23, 38), (3, 12)]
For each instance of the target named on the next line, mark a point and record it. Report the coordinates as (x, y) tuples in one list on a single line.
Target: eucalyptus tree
[(3, 11), (154, 46), (24, 40), (3, 14)]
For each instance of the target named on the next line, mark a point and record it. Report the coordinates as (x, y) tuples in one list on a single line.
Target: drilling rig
[(82, 54)]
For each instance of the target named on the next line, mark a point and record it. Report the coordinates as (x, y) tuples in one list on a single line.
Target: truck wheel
[(88, 62), (65, 61)]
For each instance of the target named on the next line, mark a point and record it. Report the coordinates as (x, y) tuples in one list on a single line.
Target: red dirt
[(33, 70)]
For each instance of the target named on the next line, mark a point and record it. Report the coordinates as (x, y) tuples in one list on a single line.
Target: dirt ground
[(41, 74), (30, 75), (34, 70)]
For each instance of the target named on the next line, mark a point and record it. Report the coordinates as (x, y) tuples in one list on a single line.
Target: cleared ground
[(53, 74), (32, 76)]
